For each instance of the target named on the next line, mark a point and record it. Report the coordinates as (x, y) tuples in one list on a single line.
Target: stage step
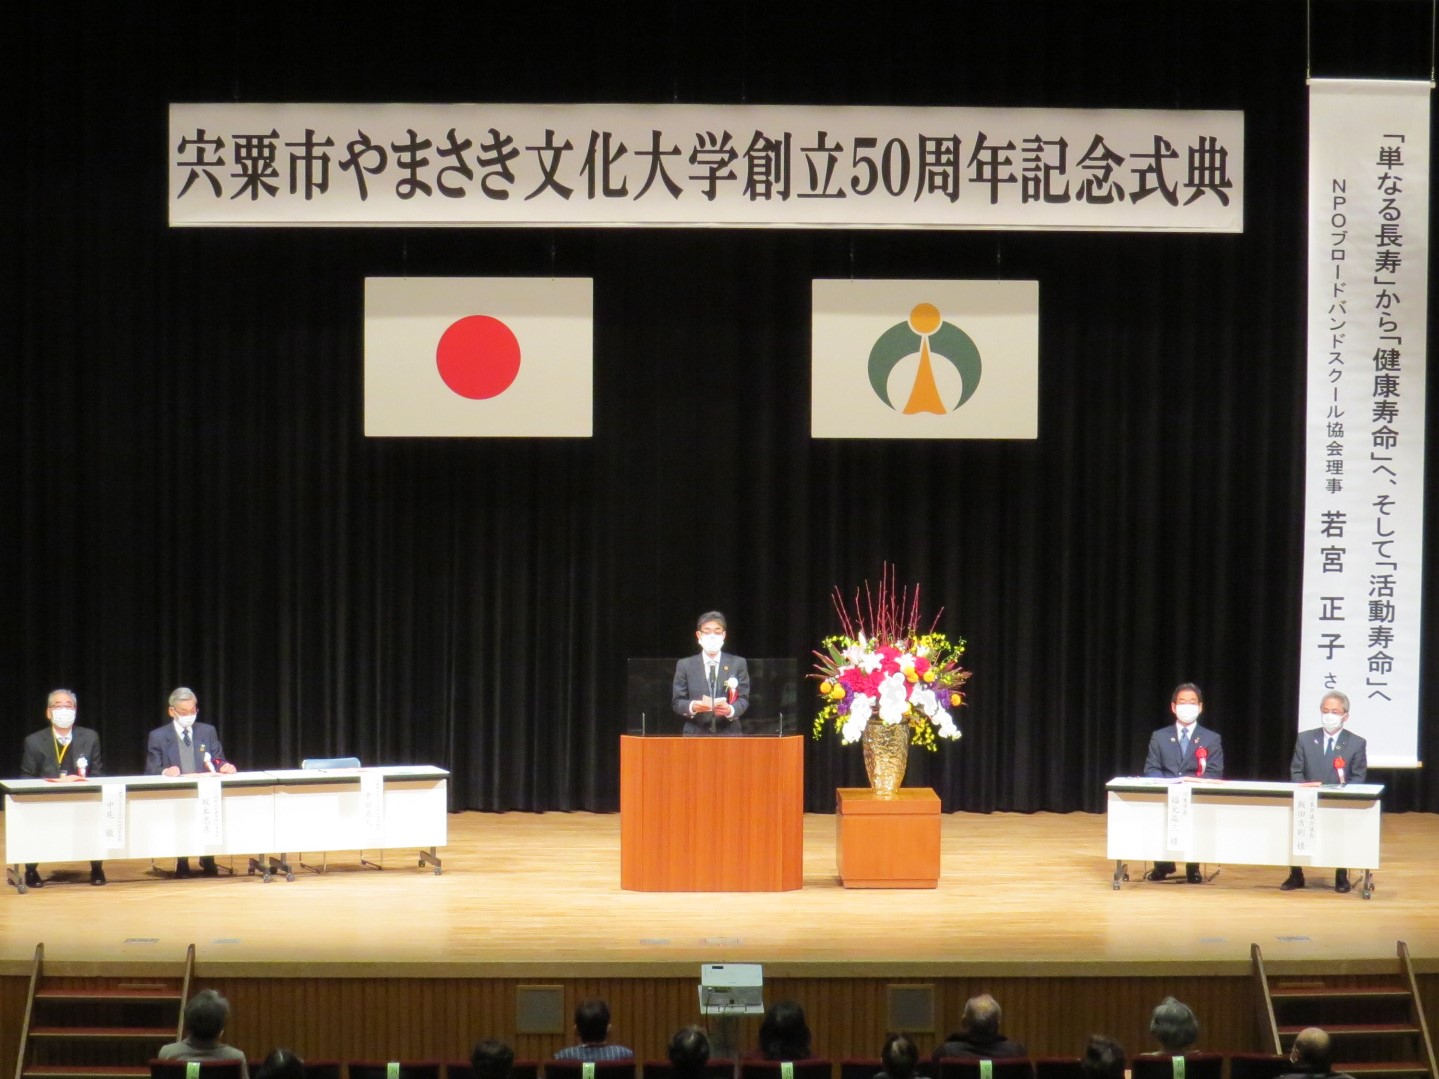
[(84, 1071), (1338, 992), (1379, 1030), (1370, 1069), (117, 994), (106, 1033)]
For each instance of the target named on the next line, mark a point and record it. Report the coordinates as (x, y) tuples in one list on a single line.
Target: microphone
[(1339, 767), (82, 767), (209, 761), (1201, 755)]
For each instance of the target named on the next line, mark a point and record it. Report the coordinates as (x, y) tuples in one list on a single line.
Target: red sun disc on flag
[(478, 357)]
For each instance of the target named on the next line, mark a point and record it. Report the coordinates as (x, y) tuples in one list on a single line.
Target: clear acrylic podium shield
[(773, 698)]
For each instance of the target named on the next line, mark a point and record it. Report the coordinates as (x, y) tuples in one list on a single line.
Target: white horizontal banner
[(924, 359), (1364, 414), (705, 165)]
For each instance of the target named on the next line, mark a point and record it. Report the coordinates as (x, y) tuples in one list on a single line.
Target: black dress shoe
[(97, 875), (1158, 874), (209, 868), (182, 868), (1193, 876), (1294, 880), (32, 879), (1341, 881)]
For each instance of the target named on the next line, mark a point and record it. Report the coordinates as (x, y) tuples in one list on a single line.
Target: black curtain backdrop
[(187, 497)]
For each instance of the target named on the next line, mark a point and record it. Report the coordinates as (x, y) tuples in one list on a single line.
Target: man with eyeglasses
[(1327, 754), (711, 689), (63, 753)]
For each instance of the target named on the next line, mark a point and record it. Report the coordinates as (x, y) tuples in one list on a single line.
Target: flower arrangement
[(880, 664)]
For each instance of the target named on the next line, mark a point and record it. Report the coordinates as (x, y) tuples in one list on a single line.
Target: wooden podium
[(711, 814), (888, 842)]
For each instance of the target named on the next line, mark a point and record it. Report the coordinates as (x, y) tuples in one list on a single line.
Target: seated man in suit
[(1184, 749), (711, 689), (978, 1035), (182, 747), (1317, 753), (65, 753)]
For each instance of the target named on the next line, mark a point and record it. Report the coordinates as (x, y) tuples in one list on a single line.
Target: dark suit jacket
[(1311, 764), (691, 684), (961, 1045), (162, 750), (1163, 761), (38, 760)]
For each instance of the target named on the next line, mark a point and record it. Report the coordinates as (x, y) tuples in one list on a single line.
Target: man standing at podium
[(711, 689), (1318, 756), (1182, 750)]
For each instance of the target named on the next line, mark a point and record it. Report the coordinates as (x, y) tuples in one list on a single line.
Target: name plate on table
[(1306, 821), (212, 823), (112, 815), (1179, 831)]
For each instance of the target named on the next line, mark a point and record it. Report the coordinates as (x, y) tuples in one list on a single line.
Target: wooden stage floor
[(527, 895)]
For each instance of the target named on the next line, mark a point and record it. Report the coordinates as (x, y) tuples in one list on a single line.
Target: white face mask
[(1331, 722), (187, 721), (1186, 713), (63, 718), (712, 642)]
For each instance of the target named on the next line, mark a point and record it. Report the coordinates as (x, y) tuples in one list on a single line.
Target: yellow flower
[(929, 675), (824, 688), (955, 700), (837, 694)]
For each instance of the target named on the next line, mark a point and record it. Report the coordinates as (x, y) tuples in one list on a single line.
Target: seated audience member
[(899, 1057), (689, 1052), (783, 1034), (592, 1028), (490, 1059), (978, 1034), (205, 1018), (1103, 1058), (281, 1064), (1312, 1056), (1174, 1027)]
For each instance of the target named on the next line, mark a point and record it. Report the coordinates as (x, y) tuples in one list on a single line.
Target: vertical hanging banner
[(1364, 415)]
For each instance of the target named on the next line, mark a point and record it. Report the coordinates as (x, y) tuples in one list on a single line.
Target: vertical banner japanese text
[(1364, 415)]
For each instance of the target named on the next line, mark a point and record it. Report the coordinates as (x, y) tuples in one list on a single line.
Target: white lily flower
[(870, 662), (861, 707), (893, 699), (906, 662)]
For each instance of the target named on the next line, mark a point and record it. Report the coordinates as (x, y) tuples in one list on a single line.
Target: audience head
[(1312, 1051), (899, 1056), (206, 1015), (592, 1021), (1103, 1058), (491, 1059), (783, 1033), (982, 1016), (281, 1064), (1174, 1026), (689, 1052)]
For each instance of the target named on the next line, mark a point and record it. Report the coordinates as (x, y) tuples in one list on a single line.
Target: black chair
[(714, 1069), (1161, 1066), (208, 1069), (318, 1069), (1258, 1065), (406, 1069), (770, 1069), (970, 1068), (604, 1069), (1058, 1068), (525, 1069)]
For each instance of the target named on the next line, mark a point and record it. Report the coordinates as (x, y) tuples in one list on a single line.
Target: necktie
[(186, 737), (1328, 745), (1183, 744)]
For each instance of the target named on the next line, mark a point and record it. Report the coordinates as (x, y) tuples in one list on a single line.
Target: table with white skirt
[(264, 816), (1243, 822)]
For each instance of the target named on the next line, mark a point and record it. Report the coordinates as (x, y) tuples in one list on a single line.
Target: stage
[(537, 895)]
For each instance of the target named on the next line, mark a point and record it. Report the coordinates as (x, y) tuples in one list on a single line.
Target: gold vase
[(886, 753)]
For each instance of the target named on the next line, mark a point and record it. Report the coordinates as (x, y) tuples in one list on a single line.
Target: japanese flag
[(476, 357)]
